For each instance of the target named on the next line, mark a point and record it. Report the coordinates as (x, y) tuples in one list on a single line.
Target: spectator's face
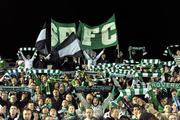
[(174, 107), (40, 102), (173, 117), (140, 101), (61, 90), (89, 98), (133, 52), (134, 100), (65, 103), (45, 110), (55, 93), (38, 89), (56, 86), (48, 101), (178, 52), (36, 116), (33, 86), (28, 56), (95, 101), (53, 113), (31, 106), (167, 108), (44, 79), (13, 81), (13, 110), (135, 111), (115, 113), (4, 96), (93, 54), (71, 109), (89, 113), (164, 101), (13, 98), (69, 97), (27, 114)]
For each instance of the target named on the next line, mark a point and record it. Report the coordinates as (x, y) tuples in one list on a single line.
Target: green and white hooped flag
[(98, 37)]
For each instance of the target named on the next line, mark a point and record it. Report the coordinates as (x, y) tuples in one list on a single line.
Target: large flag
[(69, 47), (60, 31), (98, 37), (41, 42)]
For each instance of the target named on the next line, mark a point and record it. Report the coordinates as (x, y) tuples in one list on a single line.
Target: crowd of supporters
[(90, 91)]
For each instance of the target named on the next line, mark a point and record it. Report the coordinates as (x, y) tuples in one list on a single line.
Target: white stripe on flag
[(71, 49), (42, 35)]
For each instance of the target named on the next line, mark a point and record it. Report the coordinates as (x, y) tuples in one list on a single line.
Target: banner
[(165, 85), (60, 31), (41, 42), (98, 37), (69, 47)]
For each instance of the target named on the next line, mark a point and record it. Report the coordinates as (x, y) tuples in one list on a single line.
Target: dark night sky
[(154, 25)]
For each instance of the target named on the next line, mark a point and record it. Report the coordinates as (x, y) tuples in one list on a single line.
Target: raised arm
[(130, 49), (23, 57), (106, 102), (86, 55), (34, 55), (169, 51), (83, 100), (99, 55)]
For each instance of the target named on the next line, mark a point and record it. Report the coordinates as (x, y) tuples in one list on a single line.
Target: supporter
[(14, 113), (136, 112), (56, 100), (41, 62), (103, 59), (28, 61), (36, 115), (119, 58), (92, 58), (166, 113), (27, 114), (175, 68), (89, 114), (55, 96), (113, 115), (71, 114)]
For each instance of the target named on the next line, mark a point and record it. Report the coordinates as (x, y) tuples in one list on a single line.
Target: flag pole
[(118, 49)]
